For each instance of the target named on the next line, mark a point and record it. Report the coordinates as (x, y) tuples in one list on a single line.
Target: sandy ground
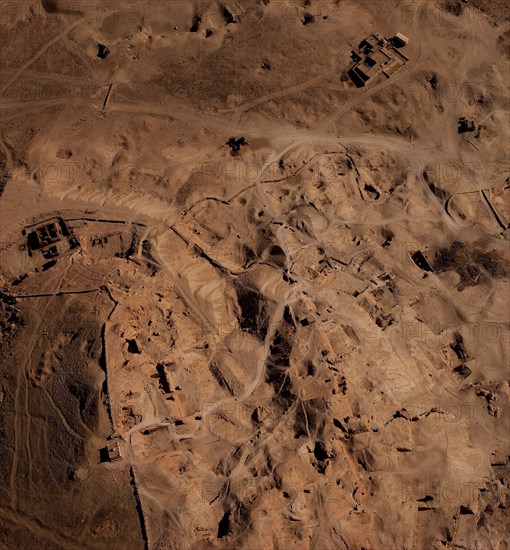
[(304, 343)]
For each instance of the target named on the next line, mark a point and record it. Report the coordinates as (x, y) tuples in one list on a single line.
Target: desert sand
[(247, 302)]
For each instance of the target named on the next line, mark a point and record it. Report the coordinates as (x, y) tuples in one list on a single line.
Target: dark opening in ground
[(102, 51), (224, 525), (235, 145), (420, 260), (228, 16), (196, 24), (133, 347)]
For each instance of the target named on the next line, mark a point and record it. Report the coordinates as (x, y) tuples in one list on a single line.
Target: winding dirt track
[(160, 228)]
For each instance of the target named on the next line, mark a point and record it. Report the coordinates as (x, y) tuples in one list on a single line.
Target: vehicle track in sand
[(35, 526), (46, 47)]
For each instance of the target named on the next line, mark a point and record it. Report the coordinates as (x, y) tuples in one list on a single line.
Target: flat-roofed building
[(374, 56)]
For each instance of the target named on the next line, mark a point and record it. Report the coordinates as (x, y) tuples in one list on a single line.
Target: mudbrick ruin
[(254, 275)]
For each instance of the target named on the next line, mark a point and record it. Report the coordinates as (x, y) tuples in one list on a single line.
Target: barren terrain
[(283, 299)]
